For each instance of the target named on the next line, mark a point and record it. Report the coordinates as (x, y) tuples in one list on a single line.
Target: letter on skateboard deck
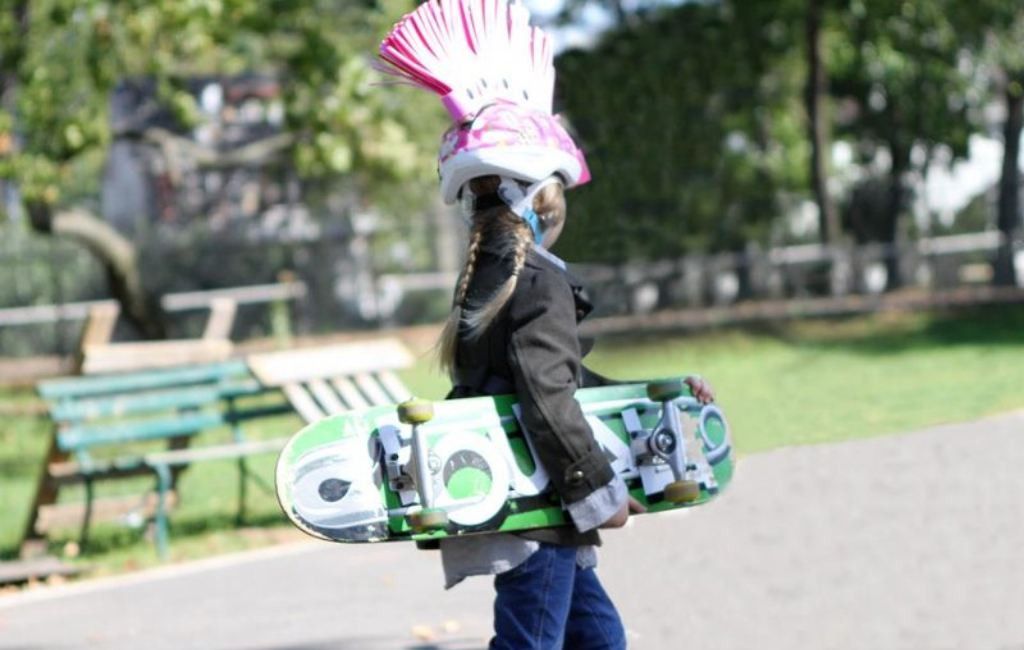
[(423, 470)]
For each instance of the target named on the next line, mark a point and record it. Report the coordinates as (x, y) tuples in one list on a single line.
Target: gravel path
[(909, 542)]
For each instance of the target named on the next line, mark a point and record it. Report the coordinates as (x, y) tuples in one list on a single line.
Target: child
[(513, 326)]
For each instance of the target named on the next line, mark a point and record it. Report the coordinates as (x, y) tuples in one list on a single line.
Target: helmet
[(507, 139)]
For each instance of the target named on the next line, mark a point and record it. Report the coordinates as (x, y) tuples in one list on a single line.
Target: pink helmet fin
[(495, 76)]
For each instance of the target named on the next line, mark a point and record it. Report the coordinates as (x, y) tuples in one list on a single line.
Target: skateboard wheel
[(415, 411), (665, 390), (427, 520), (682, 491)]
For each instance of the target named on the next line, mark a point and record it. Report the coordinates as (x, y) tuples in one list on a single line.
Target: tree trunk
[(1009, 182), (816, 124), (118, 257), (896, 193)]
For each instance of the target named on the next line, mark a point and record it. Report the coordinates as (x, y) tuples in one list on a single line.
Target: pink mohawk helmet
[(495, 76), (504, 139)]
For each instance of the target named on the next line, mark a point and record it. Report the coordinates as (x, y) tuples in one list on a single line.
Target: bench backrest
[(98, 354), (100, 410), (325, 380)]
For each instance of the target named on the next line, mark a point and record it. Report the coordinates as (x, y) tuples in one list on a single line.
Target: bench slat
[(303, 364), (349, 393), (134, 404), (77, 387), (83, 437), (105, 509), (368, 384), (235, 450), (242, 388), (150, 355), (328, 398), (303, 402), (393, 385)]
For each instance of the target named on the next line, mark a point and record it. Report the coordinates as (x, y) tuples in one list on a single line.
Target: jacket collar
[(545, 256), (542, 257), (551, 257)]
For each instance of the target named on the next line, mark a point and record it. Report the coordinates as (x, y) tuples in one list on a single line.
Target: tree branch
[(119, 258)]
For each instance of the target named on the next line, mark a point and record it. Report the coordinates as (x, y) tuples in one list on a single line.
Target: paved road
[(910, 542)]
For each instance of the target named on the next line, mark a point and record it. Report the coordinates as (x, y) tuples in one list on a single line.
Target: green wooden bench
[(105, 427)]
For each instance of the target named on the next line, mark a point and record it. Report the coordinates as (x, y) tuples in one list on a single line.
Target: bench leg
[(243, 467), (244, 478), (83, 535), (243, 475), (164, 480)]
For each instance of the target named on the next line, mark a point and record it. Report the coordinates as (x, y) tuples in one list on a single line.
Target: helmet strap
[(520, 201)]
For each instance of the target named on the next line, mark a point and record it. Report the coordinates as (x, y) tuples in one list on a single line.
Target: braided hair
[(495, 224)]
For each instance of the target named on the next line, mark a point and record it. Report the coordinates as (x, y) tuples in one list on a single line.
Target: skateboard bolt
[(665, 442)]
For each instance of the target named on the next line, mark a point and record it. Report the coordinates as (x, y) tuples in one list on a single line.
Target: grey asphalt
[(905, 542)]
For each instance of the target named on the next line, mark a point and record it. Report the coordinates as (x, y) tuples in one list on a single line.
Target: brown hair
[(507, 229)]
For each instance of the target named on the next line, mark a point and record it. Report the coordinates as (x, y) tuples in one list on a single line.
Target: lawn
[(802, 383), (822, 381)]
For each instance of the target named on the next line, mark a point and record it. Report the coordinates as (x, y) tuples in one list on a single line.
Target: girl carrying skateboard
[(516, 309)]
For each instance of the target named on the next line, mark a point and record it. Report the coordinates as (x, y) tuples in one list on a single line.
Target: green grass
[(802, 383), (205, 523), (821, 381)]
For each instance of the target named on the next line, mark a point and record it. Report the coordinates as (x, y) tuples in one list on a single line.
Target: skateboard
[(424, 470)]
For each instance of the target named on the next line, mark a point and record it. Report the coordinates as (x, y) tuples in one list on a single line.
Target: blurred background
[(839, 177), (741, 150)]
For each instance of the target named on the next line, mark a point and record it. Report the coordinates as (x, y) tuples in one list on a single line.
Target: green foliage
[(692, 114), (60, 59), (691, 125), (695, 122), (992, 29), (897, 70)]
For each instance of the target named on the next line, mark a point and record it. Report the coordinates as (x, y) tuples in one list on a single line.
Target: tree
[(1008, 217), (1000, 28), (625, 13), (815, 95), (990, 33), (898, 80), (60, 60), (690, 121)]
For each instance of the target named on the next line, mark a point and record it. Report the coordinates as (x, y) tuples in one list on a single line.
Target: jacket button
[(576, 477)]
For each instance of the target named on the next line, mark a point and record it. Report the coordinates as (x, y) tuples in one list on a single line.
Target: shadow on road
[(373, 644)]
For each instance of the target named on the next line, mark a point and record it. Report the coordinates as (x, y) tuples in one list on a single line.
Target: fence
[(796, 272), (47, 286), (340, 292), (934, 266)]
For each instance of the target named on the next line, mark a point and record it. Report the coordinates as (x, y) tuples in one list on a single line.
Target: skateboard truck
[(666, 441), (428, 518)]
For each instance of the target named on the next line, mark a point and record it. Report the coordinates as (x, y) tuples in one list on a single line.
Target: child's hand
[(619, 519), (701, 389)]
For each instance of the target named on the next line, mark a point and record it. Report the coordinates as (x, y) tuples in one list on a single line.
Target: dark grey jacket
[(533, 349)]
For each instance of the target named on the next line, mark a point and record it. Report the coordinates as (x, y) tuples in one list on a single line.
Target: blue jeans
[(548, 603)]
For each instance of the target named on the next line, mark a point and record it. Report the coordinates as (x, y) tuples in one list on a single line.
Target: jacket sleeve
[(544, 356)]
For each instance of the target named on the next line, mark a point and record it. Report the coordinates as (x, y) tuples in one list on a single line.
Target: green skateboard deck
[(356, 477)]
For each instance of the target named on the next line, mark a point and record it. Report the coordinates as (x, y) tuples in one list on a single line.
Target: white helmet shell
[(504, 139)]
